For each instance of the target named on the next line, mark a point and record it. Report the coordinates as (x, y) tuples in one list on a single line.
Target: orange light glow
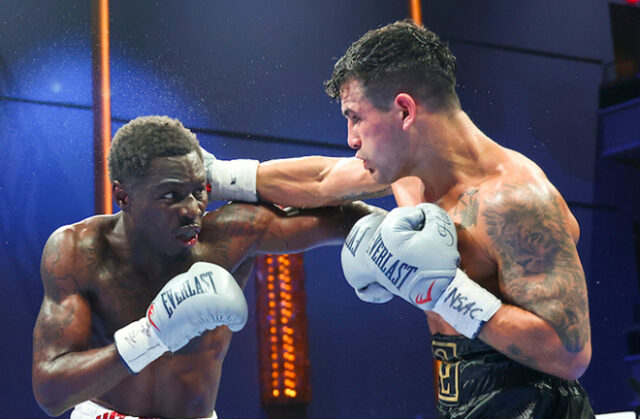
[(415, 11), (102, 105), (285, 370)]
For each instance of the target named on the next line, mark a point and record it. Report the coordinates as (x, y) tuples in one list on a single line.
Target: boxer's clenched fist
[(356, 267), (203, 298), (415, 254)]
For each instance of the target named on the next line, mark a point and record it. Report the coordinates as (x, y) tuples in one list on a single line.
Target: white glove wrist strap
[(232, 180), (466, 306), (138, 345)]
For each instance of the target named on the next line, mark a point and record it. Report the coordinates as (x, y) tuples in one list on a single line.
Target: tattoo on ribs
[(540, 270)]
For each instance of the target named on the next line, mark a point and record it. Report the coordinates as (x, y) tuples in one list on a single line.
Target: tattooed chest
[(466, 212)]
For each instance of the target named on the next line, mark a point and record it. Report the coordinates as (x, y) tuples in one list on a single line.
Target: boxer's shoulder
[(229, 233), (77, 250), (241, 218), (85, 232)]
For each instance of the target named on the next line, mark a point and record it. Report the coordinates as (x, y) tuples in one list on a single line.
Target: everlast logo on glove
[(355, 238), (204, 284), (396, 271)]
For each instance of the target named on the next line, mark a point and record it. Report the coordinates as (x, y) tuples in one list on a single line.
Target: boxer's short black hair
[(399, 57), (142, 139)]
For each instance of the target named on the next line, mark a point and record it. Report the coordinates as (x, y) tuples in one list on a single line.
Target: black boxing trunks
[(476, 381)]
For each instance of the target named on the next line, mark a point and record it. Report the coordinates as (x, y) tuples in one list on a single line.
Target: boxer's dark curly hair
[(399, 57), (142, 139)]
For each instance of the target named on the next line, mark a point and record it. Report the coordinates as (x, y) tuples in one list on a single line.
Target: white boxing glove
[(230, 180), (203, 298), (415, 253), (357, 269)]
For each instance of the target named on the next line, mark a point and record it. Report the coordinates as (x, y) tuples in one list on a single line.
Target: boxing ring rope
[(101, 104)]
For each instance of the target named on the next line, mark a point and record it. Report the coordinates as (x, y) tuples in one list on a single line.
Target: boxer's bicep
[(314, 181), (349, 181), (64, 321), (305, 229), (61, 328), (539, 267), (300, 231)]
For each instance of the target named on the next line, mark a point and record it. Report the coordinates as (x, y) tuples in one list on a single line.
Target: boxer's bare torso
[(93, 288), (107, 292), (514, 229)]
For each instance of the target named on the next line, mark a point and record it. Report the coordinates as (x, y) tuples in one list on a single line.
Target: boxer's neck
[(451, 153)]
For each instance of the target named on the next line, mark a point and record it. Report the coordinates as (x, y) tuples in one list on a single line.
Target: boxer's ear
[(121, 195), (407, 105)]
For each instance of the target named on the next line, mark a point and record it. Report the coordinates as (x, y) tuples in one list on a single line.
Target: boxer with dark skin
[(101, 274)]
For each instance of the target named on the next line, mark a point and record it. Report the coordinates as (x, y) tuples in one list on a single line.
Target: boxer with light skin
[(139, 306), (510, 325)]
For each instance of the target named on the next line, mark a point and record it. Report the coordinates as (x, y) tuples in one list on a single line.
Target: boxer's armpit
[(540, 270)]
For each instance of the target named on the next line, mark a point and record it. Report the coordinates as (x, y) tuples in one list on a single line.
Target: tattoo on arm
[(235, 234), (540, 269), (357, 196), (516, 354), (50, 328), (55, 315)]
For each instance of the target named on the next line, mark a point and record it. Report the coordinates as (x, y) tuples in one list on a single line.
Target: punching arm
[(305, 182), (315, 181)]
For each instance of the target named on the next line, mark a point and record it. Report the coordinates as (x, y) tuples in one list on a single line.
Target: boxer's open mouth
[(189, 235)]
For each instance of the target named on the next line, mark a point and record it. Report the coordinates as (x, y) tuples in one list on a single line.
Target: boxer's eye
[(173, 196), (199, 193)]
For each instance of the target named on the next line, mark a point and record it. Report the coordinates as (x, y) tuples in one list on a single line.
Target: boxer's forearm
[(61, 383), (530, 340), (306, 229), (315, 181)]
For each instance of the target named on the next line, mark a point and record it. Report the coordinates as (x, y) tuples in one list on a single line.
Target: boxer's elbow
[(578, 364), (564, 364), (50, 410), (46, 391), (49, 405)]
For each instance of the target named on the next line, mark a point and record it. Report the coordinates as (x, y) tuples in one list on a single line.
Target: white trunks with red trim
[(91, 410)]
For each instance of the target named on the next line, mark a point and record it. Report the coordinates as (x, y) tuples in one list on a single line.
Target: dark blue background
[(247, 77)]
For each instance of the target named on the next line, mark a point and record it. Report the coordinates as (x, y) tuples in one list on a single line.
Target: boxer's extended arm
[(546, 323), (65, 371), (314, 181), (311, 228), (258, 229)]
